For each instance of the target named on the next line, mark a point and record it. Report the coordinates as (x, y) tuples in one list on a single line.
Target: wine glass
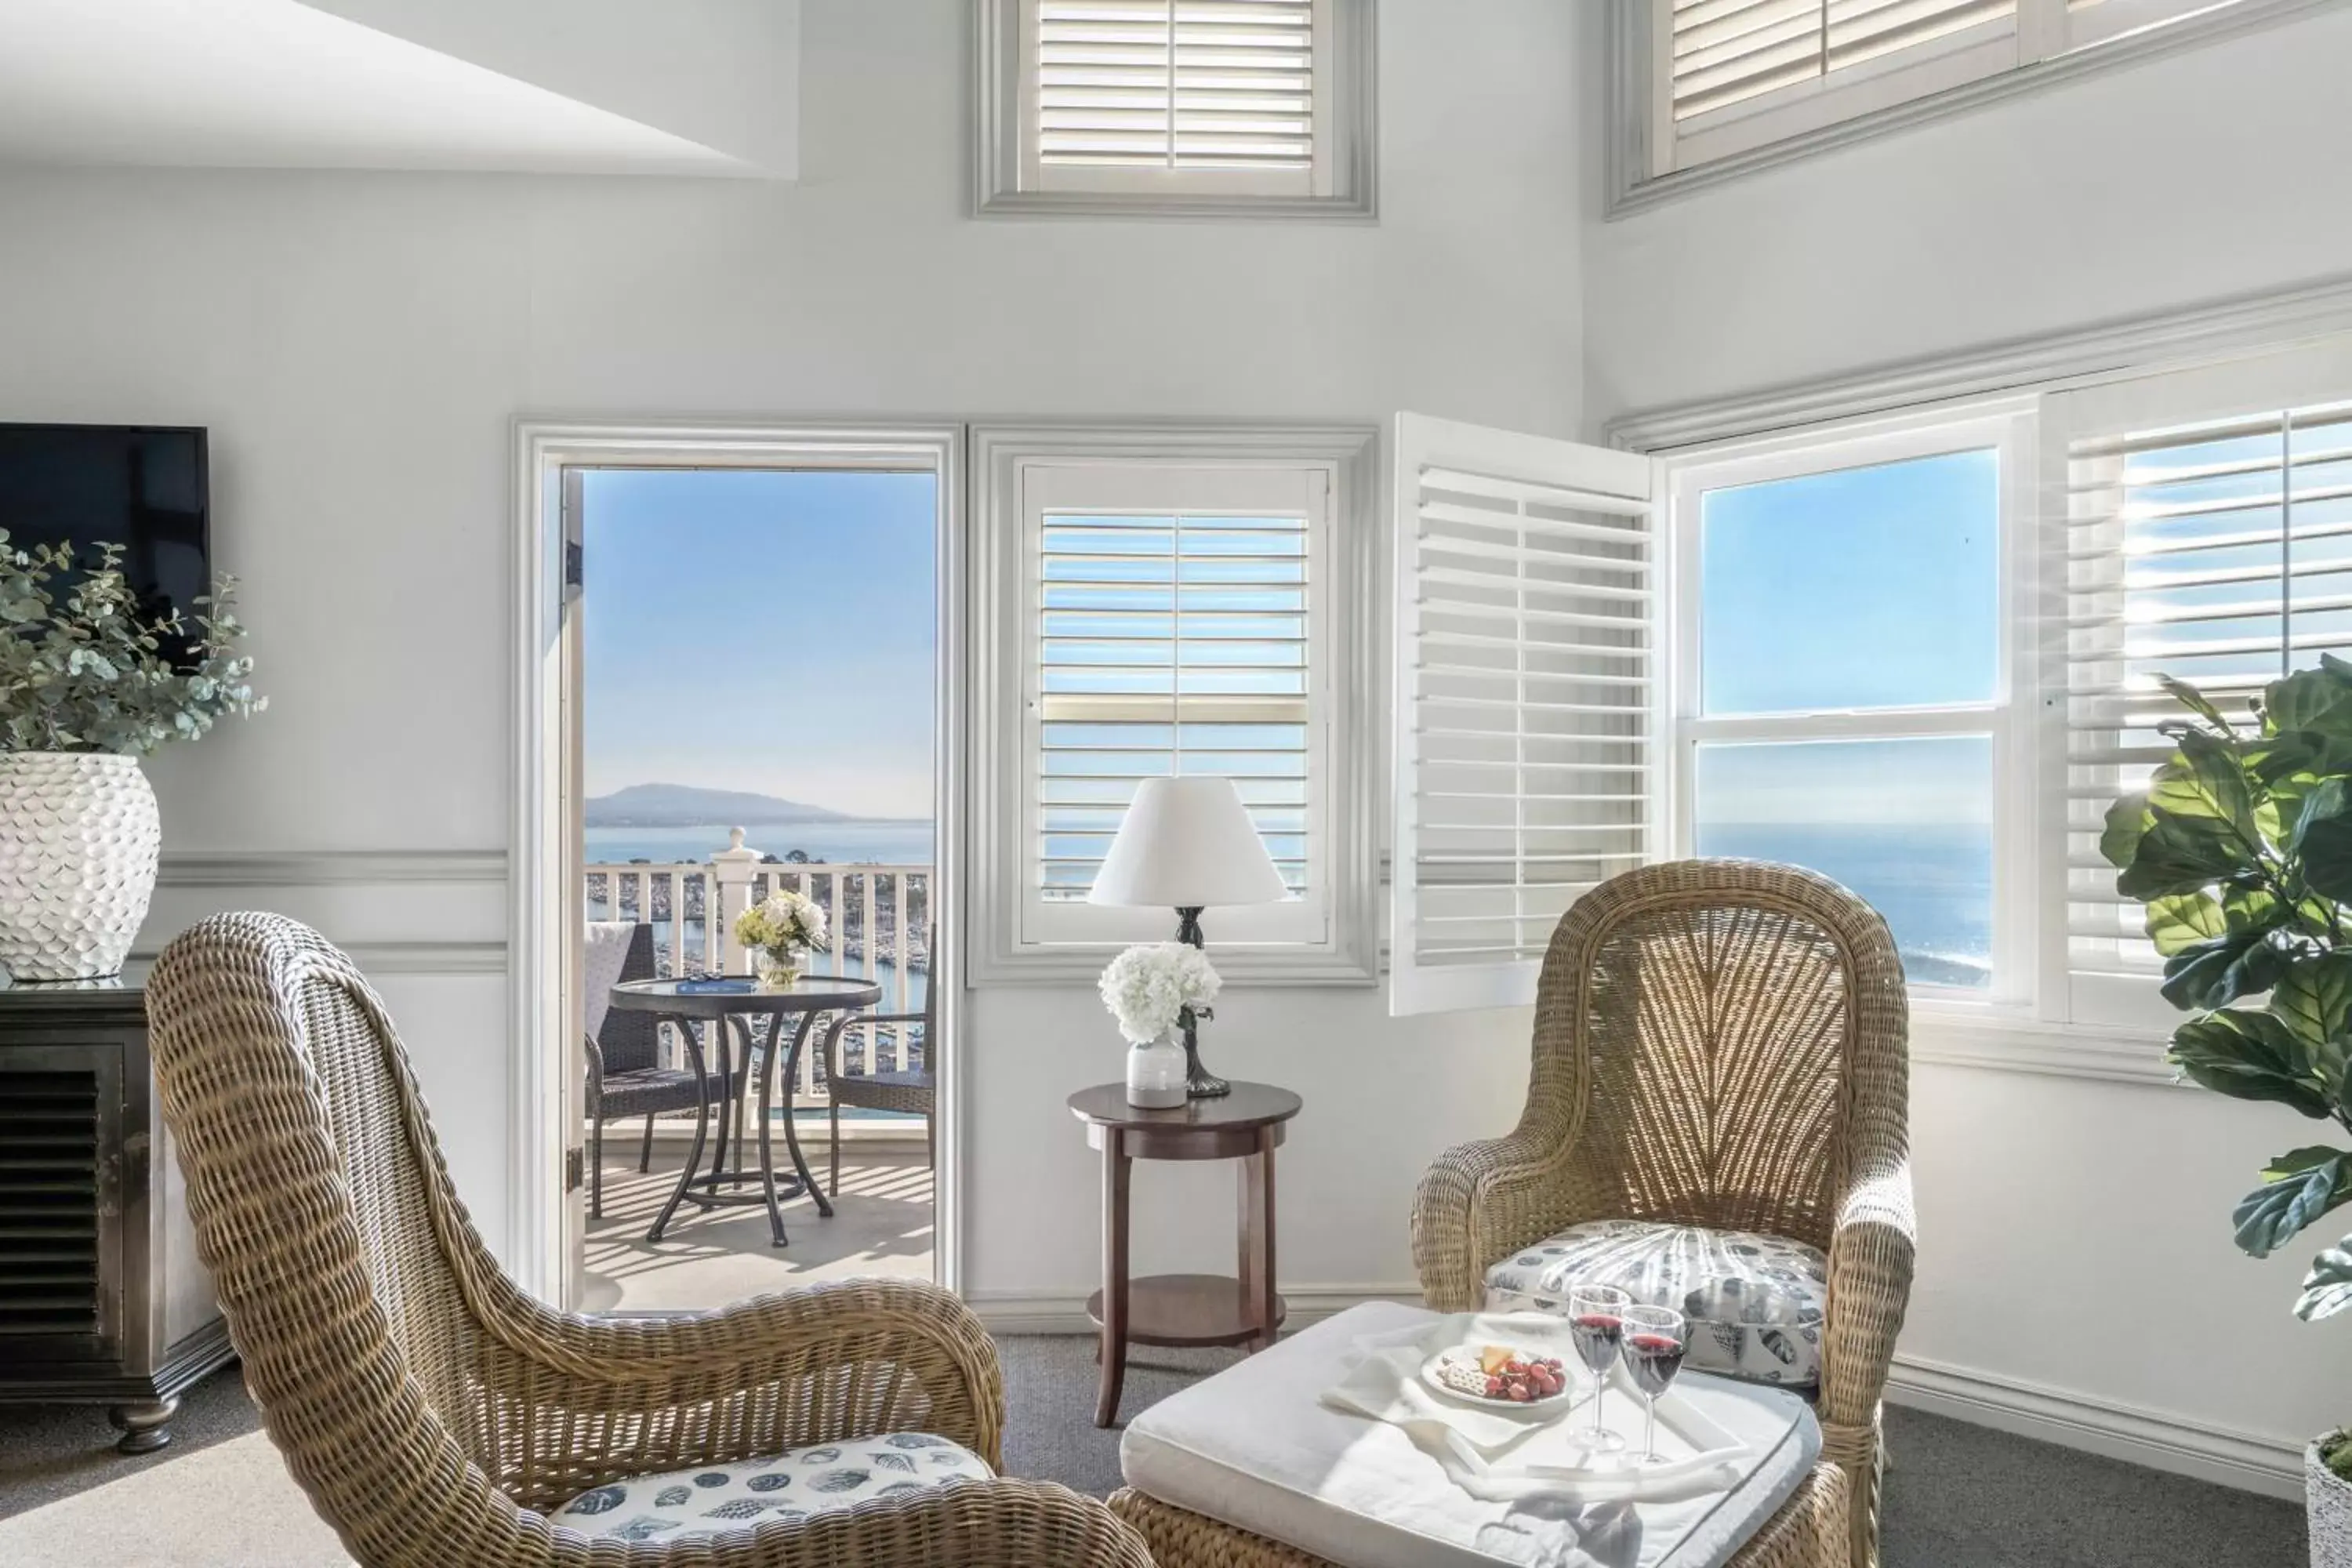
[(1654, 1339), (1596, 1316)]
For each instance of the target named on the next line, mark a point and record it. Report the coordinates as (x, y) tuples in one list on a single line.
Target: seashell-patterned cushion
[(1754, 1302), (677, 1505)]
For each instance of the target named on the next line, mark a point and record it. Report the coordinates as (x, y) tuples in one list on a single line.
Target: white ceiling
[(277, 84)]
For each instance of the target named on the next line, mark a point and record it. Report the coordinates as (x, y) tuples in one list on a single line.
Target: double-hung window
[(1185, 603), (1216, 107), (1846, 656)]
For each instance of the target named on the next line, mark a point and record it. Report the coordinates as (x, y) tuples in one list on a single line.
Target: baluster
[(904, 886)]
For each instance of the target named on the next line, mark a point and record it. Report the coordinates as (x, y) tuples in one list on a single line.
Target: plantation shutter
[(1182, 85), (2211, 546), (1172, 611), (1526, 652), (1728, 51)]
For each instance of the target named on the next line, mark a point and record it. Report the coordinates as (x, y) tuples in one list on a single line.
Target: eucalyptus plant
[(82, 668)]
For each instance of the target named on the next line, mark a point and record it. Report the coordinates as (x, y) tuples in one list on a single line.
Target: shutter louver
[(2219, 554), (1523, 731), (1176, 84), (1730, 51), (1170, 643)]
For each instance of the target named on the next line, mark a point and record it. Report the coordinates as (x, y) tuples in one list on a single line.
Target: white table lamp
[(1187, 844)]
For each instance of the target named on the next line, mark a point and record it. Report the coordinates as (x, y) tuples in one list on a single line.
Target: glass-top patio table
[(730, 1009)]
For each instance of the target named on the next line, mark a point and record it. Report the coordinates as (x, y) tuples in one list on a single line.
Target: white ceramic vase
[(78, 835), (2329, 1502), (1155, 1073)]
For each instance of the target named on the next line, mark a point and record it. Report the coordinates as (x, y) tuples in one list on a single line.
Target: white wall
[(2074, 1234), (358, 344)]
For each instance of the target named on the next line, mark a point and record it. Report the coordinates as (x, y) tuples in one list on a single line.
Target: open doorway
[(749, 701)]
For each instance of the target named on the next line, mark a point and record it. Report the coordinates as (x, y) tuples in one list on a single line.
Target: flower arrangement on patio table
[(777, 929), (1150, 988), (2242, 849)]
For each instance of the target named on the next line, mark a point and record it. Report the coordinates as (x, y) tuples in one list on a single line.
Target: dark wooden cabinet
[(102, 1298)]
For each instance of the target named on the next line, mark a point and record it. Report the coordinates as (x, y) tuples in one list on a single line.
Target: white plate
[(1469, 1352)]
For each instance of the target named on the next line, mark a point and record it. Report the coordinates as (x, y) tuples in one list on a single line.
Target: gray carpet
[(1960, 1497)]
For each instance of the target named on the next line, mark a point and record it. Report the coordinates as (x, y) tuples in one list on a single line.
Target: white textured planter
[(79, 834), (2330, 1501)]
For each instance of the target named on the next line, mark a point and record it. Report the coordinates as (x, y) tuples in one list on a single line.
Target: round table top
[(809, 993), (1249, 1105)]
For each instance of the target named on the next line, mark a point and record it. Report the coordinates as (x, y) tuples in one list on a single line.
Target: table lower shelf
[(1188, 1309)]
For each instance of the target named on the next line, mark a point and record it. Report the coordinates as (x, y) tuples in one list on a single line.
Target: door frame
[(543, 903)]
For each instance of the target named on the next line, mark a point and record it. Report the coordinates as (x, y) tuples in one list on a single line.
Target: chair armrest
[(848, 1021), (830, 1362), (1001, 1523), (1872, 1248), (596, 1072), (1480, 1202)]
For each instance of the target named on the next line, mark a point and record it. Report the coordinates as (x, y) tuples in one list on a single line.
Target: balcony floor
[(881, 1225)]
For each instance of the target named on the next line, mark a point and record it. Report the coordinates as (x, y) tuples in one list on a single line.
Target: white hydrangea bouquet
[(1150, 990), (777, 929)]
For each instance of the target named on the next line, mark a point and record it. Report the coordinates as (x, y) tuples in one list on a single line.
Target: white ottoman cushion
[(677, 1504), (1251, 1448), (1755, 1301)]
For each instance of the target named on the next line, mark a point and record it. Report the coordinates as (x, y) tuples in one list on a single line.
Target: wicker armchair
[(1717, 1043), (914, 1090), (434, 1413)]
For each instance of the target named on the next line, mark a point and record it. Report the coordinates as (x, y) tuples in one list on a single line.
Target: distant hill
[(683, 805)]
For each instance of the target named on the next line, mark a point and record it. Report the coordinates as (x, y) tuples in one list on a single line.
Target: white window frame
[(1652, 160), (1021, 470), (2009, 717), (1010, 180)]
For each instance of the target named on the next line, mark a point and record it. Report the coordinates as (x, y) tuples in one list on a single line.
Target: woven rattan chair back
[(341, 1255), (630, 1041), (1712, 1028)]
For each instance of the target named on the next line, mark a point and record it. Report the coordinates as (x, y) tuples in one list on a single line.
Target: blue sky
[(1866, 588), (761, 631)]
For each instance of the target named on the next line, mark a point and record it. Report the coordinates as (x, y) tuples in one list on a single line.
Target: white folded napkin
[(1501, 1456)]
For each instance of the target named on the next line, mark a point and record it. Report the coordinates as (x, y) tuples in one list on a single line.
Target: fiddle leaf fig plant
[(2241, 848)]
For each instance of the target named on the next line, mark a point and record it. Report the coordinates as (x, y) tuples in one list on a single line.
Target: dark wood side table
[(1185, 1308)]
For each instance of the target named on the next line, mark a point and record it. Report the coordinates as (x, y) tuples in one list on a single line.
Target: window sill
[(1631, 193), (1020, 204), (1980, 1038)]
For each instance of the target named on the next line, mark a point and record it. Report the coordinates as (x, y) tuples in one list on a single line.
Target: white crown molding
[(2251, 1461), (2050, 361), (327, 867), (1629, 76)]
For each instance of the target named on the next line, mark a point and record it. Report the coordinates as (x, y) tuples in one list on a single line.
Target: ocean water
[(877, 843), (1932, 884)]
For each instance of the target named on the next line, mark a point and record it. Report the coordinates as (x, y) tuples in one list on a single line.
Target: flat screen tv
[(143, 487)]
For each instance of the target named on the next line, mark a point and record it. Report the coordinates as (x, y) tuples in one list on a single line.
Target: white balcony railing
[(878, 915)]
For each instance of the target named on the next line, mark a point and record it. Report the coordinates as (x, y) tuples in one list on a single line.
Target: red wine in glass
[(1596, 1317), (1653, 1359), (1654, 1339)]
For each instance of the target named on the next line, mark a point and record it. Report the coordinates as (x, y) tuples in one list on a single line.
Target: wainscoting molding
[(2128, 1432), (2248, 1460), (327, 867), (437, 958)]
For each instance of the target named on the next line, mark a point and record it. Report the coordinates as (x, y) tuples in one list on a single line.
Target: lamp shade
[(1188, 843)]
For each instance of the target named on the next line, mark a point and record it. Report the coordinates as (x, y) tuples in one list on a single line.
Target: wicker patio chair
[(1717, 1043), (435, 1414), (911, 1089), (625, 1077)]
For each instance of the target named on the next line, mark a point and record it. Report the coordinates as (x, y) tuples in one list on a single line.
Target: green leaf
[(2318, 700), (2217, 972), (2247, 1055), (2296, 1189), (2204, 779), (2180, 855), (2327, 1288), (2189, 697), (2313, 999), (2127, 821), (2177, 922), (2326, 851)]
